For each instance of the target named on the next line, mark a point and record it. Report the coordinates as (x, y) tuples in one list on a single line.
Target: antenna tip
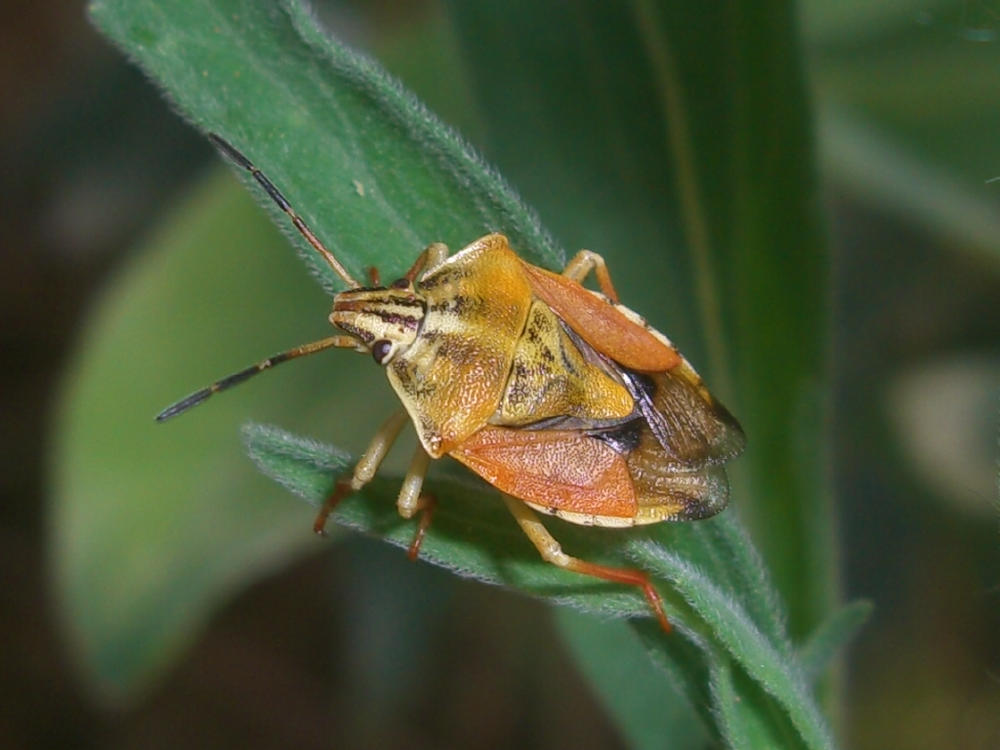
[(184, 404)]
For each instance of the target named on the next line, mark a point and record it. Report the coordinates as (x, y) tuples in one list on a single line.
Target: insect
[(560, 397)]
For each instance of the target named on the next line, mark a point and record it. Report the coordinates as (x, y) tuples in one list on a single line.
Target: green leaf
[(736, 719), (730, 624), (677, 142), (861, 157), (372, 172), (832, 635), (133, 499), (154, 525), (907, 113), (737, 270), (471, 536), (619, 668)]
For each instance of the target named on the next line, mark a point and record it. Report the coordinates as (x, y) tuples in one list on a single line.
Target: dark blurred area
[(92, 154)]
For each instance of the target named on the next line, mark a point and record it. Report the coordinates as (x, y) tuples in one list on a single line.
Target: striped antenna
[(245, 374), (238, 158)]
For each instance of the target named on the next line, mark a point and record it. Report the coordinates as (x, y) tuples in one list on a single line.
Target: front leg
[(364, 470)]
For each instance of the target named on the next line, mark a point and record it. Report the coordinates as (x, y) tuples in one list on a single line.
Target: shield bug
[(560, 397)]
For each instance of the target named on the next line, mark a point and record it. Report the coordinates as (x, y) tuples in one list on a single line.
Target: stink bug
[(560, 397)]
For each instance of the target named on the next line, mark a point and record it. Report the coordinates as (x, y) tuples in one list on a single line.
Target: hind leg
[(551, 551)]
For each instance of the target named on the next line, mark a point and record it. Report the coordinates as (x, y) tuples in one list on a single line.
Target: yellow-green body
[(474, 346)]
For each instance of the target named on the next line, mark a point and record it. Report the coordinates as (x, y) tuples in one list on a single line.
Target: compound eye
[(403, 283), (381, 350)]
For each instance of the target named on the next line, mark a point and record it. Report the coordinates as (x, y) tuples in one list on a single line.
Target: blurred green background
[(101, 179)]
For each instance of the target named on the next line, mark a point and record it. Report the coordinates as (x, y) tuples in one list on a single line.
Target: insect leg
[(411, 499), (365, 469), (551, 552), (586, 261), (431, 256)]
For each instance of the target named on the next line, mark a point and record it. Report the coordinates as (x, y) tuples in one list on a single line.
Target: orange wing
[(556, 469), (601, 324)]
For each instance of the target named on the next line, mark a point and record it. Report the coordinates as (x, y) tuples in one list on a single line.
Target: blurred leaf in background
[(909, 101)]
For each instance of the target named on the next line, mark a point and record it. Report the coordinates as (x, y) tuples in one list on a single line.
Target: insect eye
[(401, 284), (381, 350)]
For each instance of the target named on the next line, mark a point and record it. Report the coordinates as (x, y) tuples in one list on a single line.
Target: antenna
[(238, 158), (238, 377)]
